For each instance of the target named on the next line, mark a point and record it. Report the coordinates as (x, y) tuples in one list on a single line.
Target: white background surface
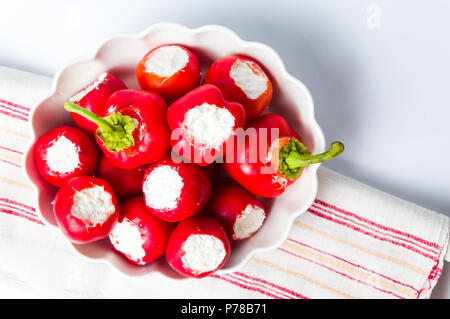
[(383, 91)]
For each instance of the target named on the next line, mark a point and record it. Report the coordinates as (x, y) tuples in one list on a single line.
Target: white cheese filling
[(248, 222), (93, 205), (162, 188), (126, 238), (202, 253), (93, 86), (166, 61), (62, 156), (208, 124), (247, 76)]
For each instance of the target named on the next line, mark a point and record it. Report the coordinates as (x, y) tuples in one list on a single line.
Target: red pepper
[(242, 80), (85, 209), (93, 98), (212, 171), (169, 70), (239, 212), (125, 182), (175, 191), (141, 237), (197, 247), (63, 153), (267, 167), (134, 130), (202, 123)]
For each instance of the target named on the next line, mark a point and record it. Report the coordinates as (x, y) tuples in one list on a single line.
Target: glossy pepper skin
[(93, 98), (87, 154), (77, 230), (227, 204), (219, 74), (269, 167), (133, 131), (173, 86), (202, 225), (154, 231), (125, 182), (194, 193), (182, 143)]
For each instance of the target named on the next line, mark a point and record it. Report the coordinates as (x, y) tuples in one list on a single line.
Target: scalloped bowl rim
[(319, 136)]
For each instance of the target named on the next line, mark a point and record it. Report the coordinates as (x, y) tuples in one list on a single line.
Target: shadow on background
[(332, 79)]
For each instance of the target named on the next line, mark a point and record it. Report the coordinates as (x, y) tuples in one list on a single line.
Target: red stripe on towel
[(355, 265), (295, 294), (421, 240), (18, 209), (15, 105), (250, 282), (314, 212), (13, 110), (14, 116), (11, 150), (10, 163), (430, 250), (341, 273), (10, 201), (245, 286), (10, 212)]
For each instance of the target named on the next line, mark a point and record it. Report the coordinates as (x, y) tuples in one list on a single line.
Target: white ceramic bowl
[(120, 55)]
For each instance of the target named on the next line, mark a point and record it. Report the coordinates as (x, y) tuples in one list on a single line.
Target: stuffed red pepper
[(169, 70), (133, 131), (239, 212), (202, 123), (140, 236), (175, 191), (197, 247), (242, 80), (272, 161), (85, 209), (63, 153)]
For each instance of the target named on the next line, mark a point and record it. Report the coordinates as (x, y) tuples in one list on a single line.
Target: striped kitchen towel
[(353, 242)]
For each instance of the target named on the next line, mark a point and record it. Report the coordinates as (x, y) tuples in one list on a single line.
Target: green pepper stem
[(114, 130), (295, 159), (101, 122)]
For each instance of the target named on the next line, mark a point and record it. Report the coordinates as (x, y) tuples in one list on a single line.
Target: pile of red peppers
[(137, 130)]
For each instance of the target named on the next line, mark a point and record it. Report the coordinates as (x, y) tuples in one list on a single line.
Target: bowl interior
[(120, 55)]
